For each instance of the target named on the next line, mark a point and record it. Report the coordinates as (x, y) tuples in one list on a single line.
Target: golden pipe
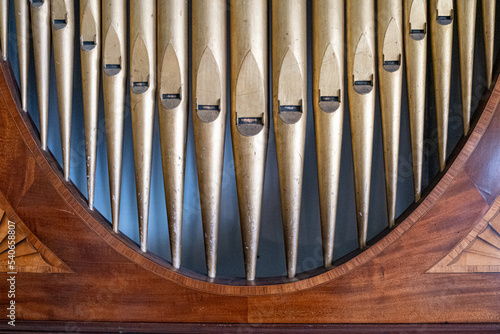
[(63, 37), (142, 95), (361, 90), (23, 47), (489, 7), (40, 27), (328, 104), (290, 114), (209, 114), (466, 16), (4, 26), (173, 111), (416, 29), (442, 16), (390, 69), (249, 117), (90, 52), (114, 75)]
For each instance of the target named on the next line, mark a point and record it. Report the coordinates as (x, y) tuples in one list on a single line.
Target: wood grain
[(115, 282)]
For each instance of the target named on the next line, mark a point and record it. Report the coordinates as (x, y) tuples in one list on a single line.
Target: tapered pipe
[(4, 27), (23, 47), (90, 53), (249, 117), (290, 114), (114, 75), (466, 16), (441, 18), (328, 104), (209, 113), (40, 27), (361, 90), (489, 7), (63, 37), (173, 110), (142, 95), (390, 69), (416, 31)]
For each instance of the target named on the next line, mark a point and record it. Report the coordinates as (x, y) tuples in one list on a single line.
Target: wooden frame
[(110, 284)]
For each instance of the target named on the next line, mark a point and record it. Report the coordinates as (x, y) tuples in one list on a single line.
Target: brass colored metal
[(489, 7), (290, 114), (4, 27), (142, 95), (249, 117), (390, 69), (114, 75), (441, 18), (63, 38), (466, 16), (23, 47), (173, 111), (361, 90), (40, 27), (90, 53), (209, 113), (328, 105), (416, 31)]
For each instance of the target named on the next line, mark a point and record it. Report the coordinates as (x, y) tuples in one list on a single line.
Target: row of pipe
[(159, 70)]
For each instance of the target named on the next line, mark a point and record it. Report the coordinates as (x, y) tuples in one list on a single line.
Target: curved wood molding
[(114, 281)]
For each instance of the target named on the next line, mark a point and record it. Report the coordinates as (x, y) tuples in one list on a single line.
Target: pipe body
[(328, 105), (416, 32), (390, 69), (290, 114), (142, 96), (114, 75), (90, 53), (466, 16), (173, 111), (40, 27), (489, 8), (4, 27), (361, 90), (209, 113), (63, 37), (249, 117), (23, 47), (441, 18)]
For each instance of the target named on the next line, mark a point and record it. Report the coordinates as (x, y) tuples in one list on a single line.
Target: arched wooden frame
[(411, 275)]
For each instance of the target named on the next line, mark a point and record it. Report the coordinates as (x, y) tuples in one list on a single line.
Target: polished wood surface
[(111, 280)]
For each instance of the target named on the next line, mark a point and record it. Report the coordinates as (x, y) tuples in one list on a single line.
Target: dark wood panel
[(88, 327)]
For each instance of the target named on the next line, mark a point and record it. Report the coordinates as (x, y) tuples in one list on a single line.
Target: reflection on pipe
[(209, 115), (40, 26), (142, 96), (361, 89), (173, 111), (90, 53), (63, 37), (328, 103), (23, 47), (290, 114), (249, 118), (466, 15), (416, 61), (114, 69), (442, 17), (390, 69)]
